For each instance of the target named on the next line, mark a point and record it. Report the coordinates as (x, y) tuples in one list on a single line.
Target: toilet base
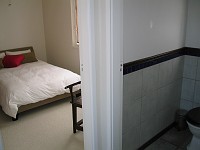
[(194, 144)]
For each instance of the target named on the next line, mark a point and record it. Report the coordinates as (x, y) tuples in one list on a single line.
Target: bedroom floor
[(45, 128)]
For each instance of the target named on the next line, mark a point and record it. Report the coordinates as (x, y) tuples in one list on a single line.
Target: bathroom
[(156, 87)]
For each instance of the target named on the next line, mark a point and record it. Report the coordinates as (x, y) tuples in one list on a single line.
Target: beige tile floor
[(44, 128)]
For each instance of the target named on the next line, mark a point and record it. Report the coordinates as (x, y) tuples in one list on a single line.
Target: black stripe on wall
[(153, 60), (192, 51)]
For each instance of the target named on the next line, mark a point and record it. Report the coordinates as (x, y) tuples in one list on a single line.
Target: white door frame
[(101, 44)]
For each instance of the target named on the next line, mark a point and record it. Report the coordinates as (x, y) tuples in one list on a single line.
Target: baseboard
[(145, 145)]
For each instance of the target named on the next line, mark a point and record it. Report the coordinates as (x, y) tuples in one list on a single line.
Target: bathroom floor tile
[(187, 141), (177, 138), (181, 149), (161, 145), (172, 140)]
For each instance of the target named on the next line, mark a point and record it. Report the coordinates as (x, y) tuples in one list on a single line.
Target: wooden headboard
[(19, 49)]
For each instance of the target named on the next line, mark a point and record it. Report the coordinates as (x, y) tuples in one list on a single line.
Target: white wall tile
[(197, 92), (151, 98), (131, 139), (177, 66), (149, 104), (148, 129), (187, 105), (198, 69), (190, 67), (165, 73), (188, 86), (131, 115), (175, 94), (150, 79), (165, 97), (132, 87), (165, 118), (191, 86)]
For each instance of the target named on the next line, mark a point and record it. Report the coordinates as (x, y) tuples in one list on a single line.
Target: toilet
[(193, 121)]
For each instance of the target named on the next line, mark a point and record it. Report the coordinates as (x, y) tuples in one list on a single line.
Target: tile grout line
[(169, 142)]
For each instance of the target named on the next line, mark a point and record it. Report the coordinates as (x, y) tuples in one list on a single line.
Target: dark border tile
[(150, 61), (192, 51), (153, 60)]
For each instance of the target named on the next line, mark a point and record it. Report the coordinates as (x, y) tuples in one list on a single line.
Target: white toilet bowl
[(195, 142), (193, 121)]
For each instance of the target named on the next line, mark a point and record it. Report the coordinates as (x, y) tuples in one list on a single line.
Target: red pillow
[(10, 61)]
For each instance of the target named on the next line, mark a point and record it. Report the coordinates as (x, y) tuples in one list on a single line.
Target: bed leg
[(15, 119)]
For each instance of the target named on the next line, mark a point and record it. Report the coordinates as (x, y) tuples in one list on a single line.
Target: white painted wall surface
[(152, 27), (22, 25), (58, 34), (193, 24)]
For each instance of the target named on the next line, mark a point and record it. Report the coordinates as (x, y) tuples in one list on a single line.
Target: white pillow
[(18, 52), (2, 55)]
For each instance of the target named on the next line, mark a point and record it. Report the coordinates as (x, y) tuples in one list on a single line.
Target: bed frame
[(27, 107)]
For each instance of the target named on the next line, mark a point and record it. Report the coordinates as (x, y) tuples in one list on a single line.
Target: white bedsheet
[(32, 82)]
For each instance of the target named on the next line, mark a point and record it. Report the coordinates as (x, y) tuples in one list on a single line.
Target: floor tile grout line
[(169, 142), (180, 146)]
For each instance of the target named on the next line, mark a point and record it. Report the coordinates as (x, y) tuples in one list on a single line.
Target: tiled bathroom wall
[(151, 97), (190, 95)]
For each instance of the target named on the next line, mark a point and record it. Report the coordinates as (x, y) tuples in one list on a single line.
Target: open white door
[(101, 44)]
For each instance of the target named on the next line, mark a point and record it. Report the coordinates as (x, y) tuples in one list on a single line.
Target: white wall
[(22, 25), (152, 27), (193, 24), (58, 33)]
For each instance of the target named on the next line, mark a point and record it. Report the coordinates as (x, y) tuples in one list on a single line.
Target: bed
[(31, 84)]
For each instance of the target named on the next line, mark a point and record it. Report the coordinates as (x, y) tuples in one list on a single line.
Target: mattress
[(31, 83)]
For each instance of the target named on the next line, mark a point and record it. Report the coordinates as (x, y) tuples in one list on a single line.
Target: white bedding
[(32, 82)]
